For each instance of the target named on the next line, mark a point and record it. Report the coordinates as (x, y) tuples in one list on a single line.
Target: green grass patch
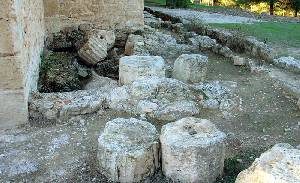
[(284, 34), (155, 2), (202, 6)]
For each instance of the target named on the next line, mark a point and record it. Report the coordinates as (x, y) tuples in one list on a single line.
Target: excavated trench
[(265, 115)]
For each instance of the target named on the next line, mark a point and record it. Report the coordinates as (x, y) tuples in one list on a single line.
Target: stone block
[(136, 67), (135, 45), (13, 109), (280, 164), (95, 50), (193, 150), (128, 150), (190, 68), (238, 61)]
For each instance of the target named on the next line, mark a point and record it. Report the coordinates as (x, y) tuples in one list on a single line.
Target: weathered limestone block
[(95, 50), (49, 108), (128, 150), (238, 61), (135, 45), (280, 164), (190, 68), (136, 67), (193, 150)]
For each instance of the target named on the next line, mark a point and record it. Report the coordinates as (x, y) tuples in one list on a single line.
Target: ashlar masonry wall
[(106, 13), (21, 43)]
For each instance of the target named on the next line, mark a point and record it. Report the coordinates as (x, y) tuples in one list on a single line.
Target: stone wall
[(22, 26), (106, 13), (21, 43)]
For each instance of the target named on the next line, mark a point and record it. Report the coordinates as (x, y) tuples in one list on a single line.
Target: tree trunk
[(296, 12), (271, 7)]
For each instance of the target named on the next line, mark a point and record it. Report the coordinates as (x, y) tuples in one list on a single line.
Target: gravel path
[(205, 16)]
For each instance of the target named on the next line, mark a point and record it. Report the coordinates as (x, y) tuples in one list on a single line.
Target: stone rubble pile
[(219, 95), (164, 99), (289, 63), (154, 42), (280, 164)]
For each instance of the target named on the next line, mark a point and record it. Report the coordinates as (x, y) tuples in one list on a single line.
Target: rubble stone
[(289, 63), (158, 98), (128, 150), (193, 150), (205, 42)]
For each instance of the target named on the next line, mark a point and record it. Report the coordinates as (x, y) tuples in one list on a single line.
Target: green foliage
[(58, 73), (178, 3), (155, 2)]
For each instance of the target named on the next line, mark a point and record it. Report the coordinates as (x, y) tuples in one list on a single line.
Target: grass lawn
[(155, 2), (201, 6), (284, 34)]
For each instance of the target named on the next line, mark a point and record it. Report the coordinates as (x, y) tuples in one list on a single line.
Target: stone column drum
[(136, 67), (190, 68), (193, 151), (128, 150)]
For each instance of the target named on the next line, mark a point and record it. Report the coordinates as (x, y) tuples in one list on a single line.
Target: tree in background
[(295, 5), (270, 2)]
